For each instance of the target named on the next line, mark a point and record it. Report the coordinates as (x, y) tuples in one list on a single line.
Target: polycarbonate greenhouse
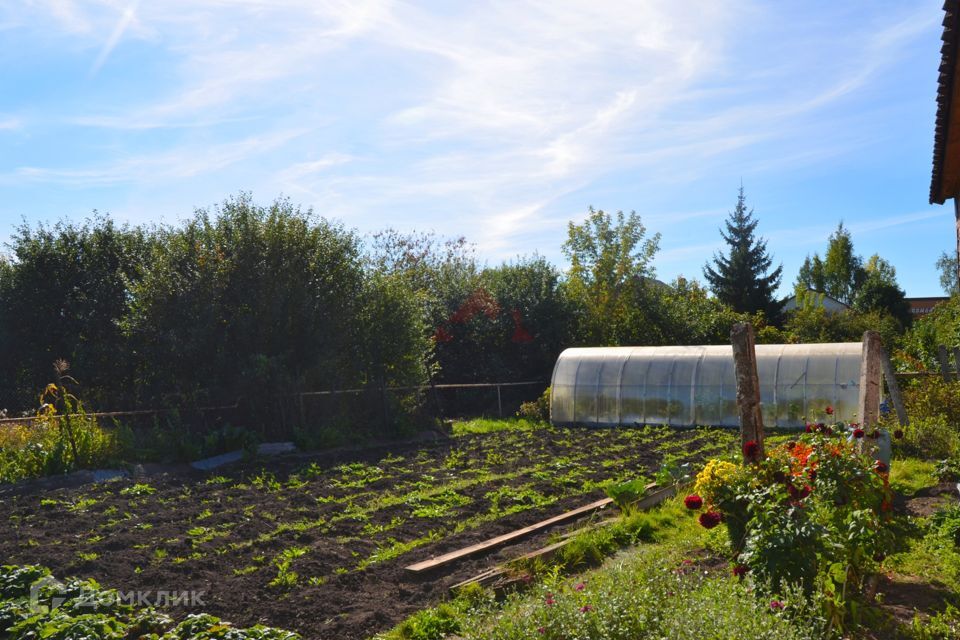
[(696, 386)]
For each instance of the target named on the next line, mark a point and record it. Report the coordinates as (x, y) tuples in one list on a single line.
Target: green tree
[(249, 301), (610, 266), (839, 274), (64, 295), (947, 266), (879, 291), (743, 279)]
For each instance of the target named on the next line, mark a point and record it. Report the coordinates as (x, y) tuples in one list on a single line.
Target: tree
[(947, 265), (743, 279), (64, 294), (610, 265), (879, 291), (839, 274)]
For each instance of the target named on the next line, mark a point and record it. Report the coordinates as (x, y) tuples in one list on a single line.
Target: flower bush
[(812, 513)]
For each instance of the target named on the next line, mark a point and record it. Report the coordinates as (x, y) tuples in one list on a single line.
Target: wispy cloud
[(173, 165), (126, 19)]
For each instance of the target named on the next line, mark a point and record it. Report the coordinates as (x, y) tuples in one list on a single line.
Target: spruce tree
[(742, 279)]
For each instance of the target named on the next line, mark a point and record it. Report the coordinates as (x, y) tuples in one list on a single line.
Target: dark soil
[(223, 533)]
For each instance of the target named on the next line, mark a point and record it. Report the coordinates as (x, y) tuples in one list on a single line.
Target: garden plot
[(318, 544)]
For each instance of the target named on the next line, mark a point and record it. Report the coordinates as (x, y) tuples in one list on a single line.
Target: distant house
[(920, 307), (830, 305)]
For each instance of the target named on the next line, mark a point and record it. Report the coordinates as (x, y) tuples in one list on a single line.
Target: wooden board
[(495, 573), (446, 558)]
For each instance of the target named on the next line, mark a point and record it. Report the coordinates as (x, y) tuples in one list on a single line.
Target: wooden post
[(944, 363), (748, 387), (870, 367), (894, 387), (499, 404), (956, 216)]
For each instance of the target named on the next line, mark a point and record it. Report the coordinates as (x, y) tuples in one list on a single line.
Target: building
[(920, 307), (945, 182), (830, 305)]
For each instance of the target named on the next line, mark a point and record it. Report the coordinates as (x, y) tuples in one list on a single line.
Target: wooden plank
[(748, 387), (494, 573), (868, 407), (894, 387), (446, 558)]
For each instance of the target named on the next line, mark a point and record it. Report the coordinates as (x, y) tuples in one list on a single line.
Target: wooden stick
[(446, 558), (944, 363), (894, 387), (748, 387), (869, 404)]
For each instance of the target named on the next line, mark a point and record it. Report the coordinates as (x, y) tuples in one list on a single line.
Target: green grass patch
[(486, 425), (909, 475)]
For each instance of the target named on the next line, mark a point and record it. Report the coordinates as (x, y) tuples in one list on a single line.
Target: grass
[(487, 425), (909, 475)]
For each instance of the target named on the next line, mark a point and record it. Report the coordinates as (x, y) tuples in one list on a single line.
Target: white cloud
[(179, 164)]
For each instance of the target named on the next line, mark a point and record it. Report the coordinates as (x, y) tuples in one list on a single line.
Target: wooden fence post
[(869, 406), (944, 363), (748, 387), (894, 388)]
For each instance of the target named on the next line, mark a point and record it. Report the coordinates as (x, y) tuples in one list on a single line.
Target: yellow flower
[(714, 476)]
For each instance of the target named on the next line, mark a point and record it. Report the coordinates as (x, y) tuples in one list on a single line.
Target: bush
[(812, 513), (62, 438), (538, 409)]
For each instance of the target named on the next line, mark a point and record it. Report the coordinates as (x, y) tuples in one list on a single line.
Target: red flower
[(709, 519), (809, 428), (858, 433), (898, 434), (693, 501), (586, 608), (740, 570), (881, 466), (580, 586), (829, 410), (751, 450), (798, 494), (777, 605)]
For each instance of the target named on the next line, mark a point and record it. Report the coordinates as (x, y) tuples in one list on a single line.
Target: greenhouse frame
[(687, 386)]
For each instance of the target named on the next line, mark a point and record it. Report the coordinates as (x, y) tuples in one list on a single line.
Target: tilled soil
[(348, 524)]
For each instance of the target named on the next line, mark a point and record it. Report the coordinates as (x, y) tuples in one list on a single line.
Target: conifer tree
[(742, 278)]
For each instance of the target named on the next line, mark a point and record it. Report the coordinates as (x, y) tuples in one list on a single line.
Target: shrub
[(812, 513), (62, 438), (538, 409)]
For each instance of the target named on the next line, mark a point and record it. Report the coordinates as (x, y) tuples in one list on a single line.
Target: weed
[(138, 490)]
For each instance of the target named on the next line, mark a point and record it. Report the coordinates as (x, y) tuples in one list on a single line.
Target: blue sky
[(497, 120)]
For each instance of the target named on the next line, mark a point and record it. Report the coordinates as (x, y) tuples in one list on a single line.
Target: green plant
[(538, 409), (138, 490), (814, 512), (626, 494), (430, 624)]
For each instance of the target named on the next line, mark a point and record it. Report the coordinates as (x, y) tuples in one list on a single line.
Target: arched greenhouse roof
[(696, 386)]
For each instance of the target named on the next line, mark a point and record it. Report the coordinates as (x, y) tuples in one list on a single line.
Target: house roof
[(945, 182)]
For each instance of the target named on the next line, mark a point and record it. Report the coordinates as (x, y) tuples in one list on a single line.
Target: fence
[(360, 408)]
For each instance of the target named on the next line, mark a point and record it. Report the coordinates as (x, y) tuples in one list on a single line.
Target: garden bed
[(318, 543)]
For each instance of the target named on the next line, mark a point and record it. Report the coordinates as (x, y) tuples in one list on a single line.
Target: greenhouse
[(696, 385)]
